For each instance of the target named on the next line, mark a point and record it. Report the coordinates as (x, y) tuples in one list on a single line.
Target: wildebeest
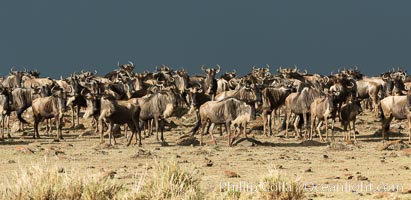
[(4, 111), (158, 107), (349, 114), (273, 99), (119, 112), (299, 103), (370, 89), (224, 112), (321, 109), (210, 83), (53, 106), (397, 107)]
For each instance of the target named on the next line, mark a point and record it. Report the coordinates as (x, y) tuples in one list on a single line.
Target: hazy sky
[(59, 37)]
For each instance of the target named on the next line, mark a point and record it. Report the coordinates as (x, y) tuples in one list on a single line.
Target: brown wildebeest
[(50, 107), (349, 114), (321, 109), (397, 107), (224, 112), (119, 112), (273, 99), (299, 103)]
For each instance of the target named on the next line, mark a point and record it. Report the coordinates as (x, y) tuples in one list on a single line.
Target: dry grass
[(167, 180), (278, 186), (41, 181)]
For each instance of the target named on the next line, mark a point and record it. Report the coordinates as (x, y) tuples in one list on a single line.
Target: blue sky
[(60, 37)]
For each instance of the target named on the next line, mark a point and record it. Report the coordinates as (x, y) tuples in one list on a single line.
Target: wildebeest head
[(210, 81), (129, 67), (61, 97), (92, 103), (229, 75), (14, 79)]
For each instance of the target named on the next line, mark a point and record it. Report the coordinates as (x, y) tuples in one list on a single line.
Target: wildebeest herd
[(143, 101)]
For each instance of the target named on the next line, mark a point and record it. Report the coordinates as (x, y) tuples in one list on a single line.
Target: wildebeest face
[(61, 99)]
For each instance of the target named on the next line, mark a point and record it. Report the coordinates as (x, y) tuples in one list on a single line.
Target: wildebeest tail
[(19, 113)]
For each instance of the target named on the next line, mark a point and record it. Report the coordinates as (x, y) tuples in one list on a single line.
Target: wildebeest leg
[(157, 127), (221, 130), (132, 134), (36, 127), (58, 127), (319, 131), (2, 128), (353, 127), (227, 124), (266, 117), (72, 116), (78, 115), (326, 128), (312, 125), (203, 127), (287, 120), (8, 126), (211, 129), (297, 120), (162, 129), (386, 127), (409, 127), (100, 121)]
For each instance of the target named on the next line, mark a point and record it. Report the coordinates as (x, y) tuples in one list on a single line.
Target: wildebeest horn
[(132, 64), (403, 78), (406, 87), (95, 72), (352, 85), (11, 70), (356, 67), (234, 71), (327, 79), (279, 69), (295, 68), (268, 66), (171, 79), (202, 68), (82, 71), (118, 63), (199, 86), (219, 68), (84, 91)]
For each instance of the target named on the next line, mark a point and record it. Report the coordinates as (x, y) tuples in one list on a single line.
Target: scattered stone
[(61, 170), (350, 177), (308, 170), (157, 148), (11, 161), (361, 178), (188, 141), (325, 156), (404, 167), (209, 163), (231, 174)]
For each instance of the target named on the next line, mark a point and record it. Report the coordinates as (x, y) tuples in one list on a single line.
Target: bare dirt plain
[(321, 166)]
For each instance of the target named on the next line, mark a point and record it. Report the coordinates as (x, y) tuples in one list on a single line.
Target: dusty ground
[(320, 165)]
